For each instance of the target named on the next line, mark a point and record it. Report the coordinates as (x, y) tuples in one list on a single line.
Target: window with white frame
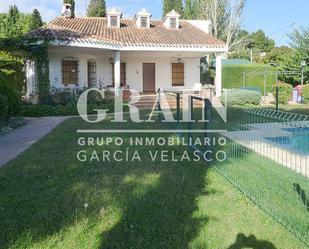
[(114, 21), (173, 22), (92, 73), (70, 71), (144, 22)]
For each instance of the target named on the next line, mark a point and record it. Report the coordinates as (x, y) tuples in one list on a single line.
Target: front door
[(149, 77)]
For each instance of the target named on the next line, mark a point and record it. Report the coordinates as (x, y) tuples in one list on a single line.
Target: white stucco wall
[(134, 67), (104, 69)]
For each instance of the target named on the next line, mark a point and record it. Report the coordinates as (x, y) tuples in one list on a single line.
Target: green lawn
[(300, 109), (130, 205)]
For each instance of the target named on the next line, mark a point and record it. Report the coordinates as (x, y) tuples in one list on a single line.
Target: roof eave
[(108, 45)]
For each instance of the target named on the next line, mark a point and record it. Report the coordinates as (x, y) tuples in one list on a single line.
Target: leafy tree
[(300, 44), (25, 20), (278, 55), (35, 21), (259, 40), (96, 8), (72, 2), (11, 26), (225, 17), (169, 5), (188, 10)]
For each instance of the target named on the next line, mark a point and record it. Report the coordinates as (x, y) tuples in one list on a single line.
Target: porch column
[(117, 71), (30, 76), (218, 80)]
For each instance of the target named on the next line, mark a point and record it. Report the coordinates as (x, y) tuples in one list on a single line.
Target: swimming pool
[(297, 140)]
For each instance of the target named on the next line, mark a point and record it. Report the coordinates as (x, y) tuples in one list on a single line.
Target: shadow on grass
[(302, 194), (162, 218), (250, 242), (42, 194)]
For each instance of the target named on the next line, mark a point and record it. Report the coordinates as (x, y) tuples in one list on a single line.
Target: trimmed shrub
[(38, 111), (63, 97), (67, 110), (305, 92), (11, 123), (241, 97), (4, 107), (285, 92), (13, 99)]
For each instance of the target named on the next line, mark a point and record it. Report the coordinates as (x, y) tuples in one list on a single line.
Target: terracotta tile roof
[(128, 35)]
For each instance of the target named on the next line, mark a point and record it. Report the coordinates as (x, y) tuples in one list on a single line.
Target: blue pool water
[(298, 140)]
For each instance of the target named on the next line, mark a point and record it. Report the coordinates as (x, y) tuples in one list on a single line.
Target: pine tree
[(188, 10), (72, 2), (36, 20), (96, 8), (169, 5), (11, 26)]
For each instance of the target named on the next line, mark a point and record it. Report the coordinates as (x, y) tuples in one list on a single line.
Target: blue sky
[(276, 17)]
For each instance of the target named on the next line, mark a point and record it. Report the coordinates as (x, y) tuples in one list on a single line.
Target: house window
[(178, 74), (70, 71), (173, 23), (144, 22), (92, 73), (113, 21), (123, 74)]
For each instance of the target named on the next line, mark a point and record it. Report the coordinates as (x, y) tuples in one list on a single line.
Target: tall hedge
[(232, 76)]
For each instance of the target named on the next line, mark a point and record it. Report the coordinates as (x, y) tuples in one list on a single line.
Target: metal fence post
[(178, 108), (277, 94), (265, 87), (159, 105), (190, 124)]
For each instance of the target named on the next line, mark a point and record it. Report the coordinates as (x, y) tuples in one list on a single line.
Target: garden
[(61, 193), (50, 199)]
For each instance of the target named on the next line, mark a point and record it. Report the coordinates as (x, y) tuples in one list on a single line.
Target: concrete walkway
[(17, 141)]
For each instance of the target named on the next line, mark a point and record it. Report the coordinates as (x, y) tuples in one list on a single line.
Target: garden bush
[(241, 97), (3, 107), (13, 99), (305, 92), (63, 97), (11, 123), (68, 110), (285, 92)]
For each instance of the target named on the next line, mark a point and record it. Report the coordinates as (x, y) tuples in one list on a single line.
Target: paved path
[(17, 141)]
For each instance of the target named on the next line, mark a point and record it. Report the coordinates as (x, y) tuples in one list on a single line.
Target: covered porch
[(143, 71)]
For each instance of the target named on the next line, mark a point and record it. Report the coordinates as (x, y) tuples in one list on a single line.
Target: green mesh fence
[(268, 160), (267, 157)]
